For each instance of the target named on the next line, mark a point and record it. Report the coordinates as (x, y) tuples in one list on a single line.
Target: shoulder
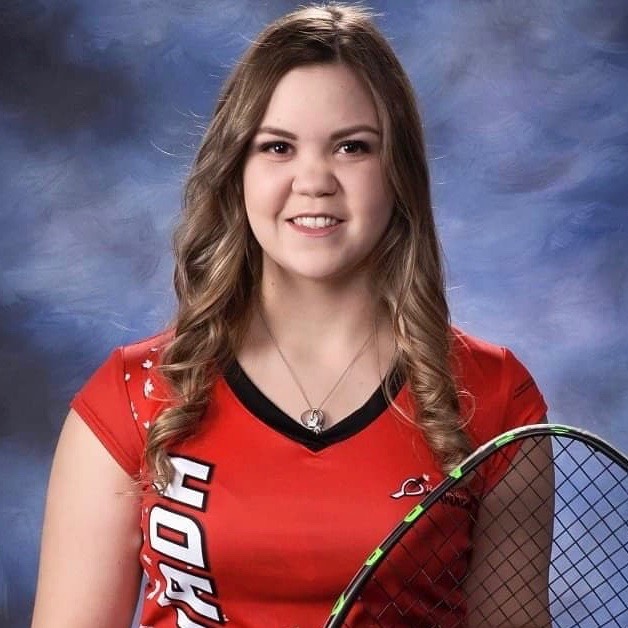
[(122, 397), (129, 378), (497, 390), (478, 364), (145, 384), (476, 357), (127, 366), (141, 359), (137, 354)]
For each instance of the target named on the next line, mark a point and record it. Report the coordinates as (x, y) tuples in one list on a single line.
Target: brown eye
[(275, 148), (354, 147)]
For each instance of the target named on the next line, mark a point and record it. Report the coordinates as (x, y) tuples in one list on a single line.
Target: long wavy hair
[(218, 261)]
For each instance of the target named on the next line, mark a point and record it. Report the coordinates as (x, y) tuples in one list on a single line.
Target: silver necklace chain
[(314, 417)]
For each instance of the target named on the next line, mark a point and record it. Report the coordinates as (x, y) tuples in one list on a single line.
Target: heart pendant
[(314, 420)]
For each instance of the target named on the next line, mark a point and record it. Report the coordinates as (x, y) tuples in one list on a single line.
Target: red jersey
[(265, 522)]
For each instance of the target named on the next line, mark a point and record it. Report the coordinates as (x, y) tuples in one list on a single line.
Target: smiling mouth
[(315, 222)]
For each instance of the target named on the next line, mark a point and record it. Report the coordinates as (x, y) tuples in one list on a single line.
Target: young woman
[(248, 459)]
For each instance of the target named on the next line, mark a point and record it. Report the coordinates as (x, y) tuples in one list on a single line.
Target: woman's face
[(316, 196)]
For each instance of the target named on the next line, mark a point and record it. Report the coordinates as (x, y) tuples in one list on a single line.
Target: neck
[(329, 345), (319, 315)]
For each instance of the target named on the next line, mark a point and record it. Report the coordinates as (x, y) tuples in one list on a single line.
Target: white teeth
[(315, 222)]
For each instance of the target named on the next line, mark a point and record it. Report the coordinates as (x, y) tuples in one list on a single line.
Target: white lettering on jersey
[(186, 588), (177, 490), (190, 550), (175, 533), (183, 621)]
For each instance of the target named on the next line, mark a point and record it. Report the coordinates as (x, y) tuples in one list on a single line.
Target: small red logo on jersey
[(414, 486)]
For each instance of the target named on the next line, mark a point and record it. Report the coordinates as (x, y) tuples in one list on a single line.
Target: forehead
[(326, 95)]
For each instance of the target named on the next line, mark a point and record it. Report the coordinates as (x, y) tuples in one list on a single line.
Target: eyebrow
[(350, 130)]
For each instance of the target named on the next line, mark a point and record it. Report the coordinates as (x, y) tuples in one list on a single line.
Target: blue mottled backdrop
[(102, 105)]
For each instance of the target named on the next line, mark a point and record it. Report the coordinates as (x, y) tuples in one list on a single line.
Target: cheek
[(380, 212), (386, 195), (376, 196), (263, 190), (249, 177)]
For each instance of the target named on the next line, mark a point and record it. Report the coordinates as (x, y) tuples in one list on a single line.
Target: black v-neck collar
[(254, 400)]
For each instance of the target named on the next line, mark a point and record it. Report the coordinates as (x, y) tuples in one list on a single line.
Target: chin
[(311, 269)]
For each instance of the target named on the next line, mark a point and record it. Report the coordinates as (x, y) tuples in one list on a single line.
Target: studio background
[(101, 108)]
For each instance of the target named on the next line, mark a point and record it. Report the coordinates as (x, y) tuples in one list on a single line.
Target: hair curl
[(218, 261)]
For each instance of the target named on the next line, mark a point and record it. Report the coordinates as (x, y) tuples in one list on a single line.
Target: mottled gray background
[(101, 107)]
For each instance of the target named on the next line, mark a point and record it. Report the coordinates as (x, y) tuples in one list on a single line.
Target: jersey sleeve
[(499, 394), (521, 404), (104, 404)]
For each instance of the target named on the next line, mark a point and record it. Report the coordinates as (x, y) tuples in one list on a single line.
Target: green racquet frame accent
[(456, 473), (340, 602), (506, 438), (560, 429), (413, 514), (374, 557)]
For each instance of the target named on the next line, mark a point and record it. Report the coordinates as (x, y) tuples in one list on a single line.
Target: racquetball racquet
[(530, 530)]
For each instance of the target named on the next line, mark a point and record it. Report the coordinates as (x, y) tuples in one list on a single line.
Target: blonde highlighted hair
[(218, 261)]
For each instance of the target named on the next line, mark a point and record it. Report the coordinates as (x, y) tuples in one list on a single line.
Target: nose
[(314, 177)]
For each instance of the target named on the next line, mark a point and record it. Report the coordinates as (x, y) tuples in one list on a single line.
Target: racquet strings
[(424, 581)]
